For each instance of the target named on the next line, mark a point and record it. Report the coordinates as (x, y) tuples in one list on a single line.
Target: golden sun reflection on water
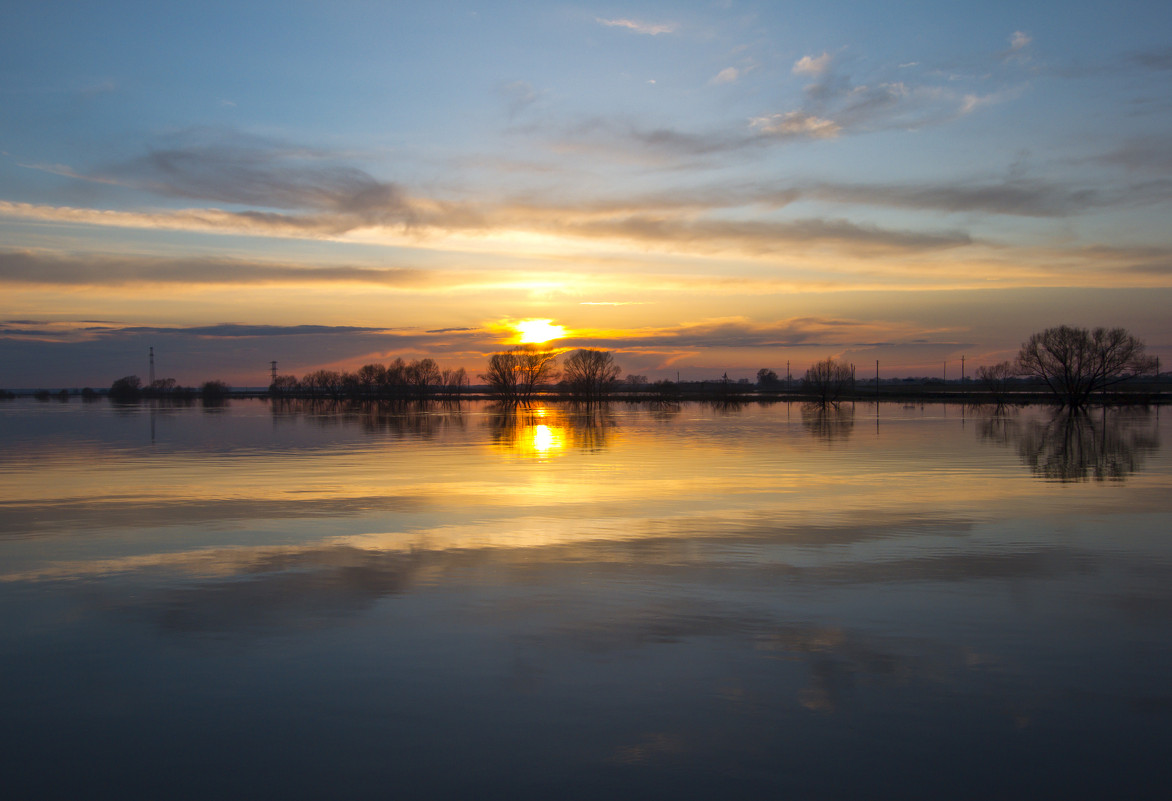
[(532, 433), (546, 439)]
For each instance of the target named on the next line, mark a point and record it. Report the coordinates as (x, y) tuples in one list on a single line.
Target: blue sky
[(699, 186)]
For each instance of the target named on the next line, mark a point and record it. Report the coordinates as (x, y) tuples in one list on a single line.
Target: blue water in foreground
[(700, 602)]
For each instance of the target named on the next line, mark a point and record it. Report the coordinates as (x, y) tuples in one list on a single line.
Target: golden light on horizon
[(537, 331)]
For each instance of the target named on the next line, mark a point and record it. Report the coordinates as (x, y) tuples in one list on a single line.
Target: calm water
[(694, 602)]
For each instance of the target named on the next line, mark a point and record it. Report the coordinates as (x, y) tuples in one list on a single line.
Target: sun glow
[(534, 331)]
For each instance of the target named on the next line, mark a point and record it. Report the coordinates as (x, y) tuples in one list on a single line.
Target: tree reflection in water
[(829, 422), (417, 419), (1076, 445)]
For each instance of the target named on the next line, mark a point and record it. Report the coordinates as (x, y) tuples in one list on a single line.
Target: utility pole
[(963, 393), (274, 364), (876, 379), (152, 365)]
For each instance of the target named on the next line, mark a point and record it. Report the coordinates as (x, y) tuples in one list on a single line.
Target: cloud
[(648, 28), (726, 75), (33, 268), (1021, 198), (812, 65), (811, 331), (769, 237), (1145, 155), (796, 124), (518, 96), (1158, 59), (228, 167), (1019, 41)]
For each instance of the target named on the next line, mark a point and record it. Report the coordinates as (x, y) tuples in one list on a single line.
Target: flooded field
[(307, 601)]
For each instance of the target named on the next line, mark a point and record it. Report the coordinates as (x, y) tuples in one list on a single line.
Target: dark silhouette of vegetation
[(829, 380), (515, 376), (421, 379), (767, 379), (996, 379), (590, 375), (125, 389), (214, 392), (1076, 363)]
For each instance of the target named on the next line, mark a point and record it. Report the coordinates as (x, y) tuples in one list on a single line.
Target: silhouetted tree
[(1075, 363), (829, 380), (395, 383), (214, 392), (284, 385), (515, 375), (767, 379), (323, 383), (371, 378), (590, 374), (126, 388), (160, 387), (424, 377), (454, 382), (996, 378)]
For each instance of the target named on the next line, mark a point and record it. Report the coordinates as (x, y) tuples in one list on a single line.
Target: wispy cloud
[(648, 28), (796, 124), (812, 65), (726, 75), (31, 268), (1158, 59)]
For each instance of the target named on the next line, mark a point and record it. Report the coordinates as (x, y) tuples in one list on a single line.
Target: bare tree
[(515, 375), (371, 378), (324, 382), (1076, 363), (996, 378), (590, 374), (284, 385), (829, 380), (424, 377), (454, 382)]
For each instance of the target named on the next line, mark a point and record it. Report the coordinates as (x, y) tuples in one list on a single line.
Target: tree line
[(419, 379), (1076, 364)]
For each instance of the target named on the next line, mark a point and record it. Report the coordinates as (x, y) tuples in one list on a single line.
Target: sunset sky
[(700, 187)]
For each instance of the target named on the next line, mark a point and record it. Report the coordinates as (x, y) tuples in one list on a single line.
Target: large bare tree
[(828, 380), (1075, 363), (516, 375), (590, 374)]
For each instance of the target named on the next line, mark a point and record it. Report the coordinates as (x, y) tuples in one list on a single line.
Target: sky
[(700, 188)]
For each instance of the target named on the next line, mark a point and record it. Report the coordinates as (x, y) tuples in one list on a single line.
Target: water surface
[(303, 601)]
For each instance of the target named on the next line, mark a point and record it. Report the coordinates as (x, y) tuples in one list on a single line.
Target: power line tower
[(274, 366)]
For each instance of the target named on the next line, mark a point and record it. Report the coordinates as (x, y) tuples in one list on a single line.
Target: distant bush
[(214, 391), (127, 388)]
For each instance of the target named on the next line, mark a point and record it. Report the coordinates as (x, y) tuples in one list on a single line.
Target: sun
[(534, 331)]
